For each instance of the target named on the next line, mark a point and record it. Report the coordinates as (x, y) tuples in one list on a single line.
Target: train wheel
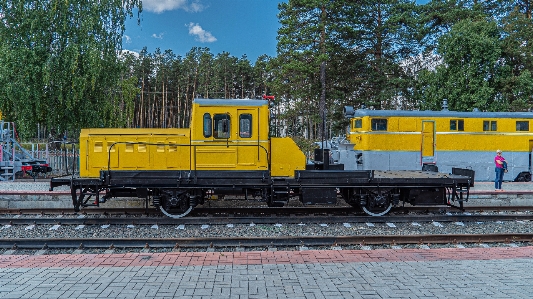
[(175, 216), (376, 213), (174, 205), (377, 205)]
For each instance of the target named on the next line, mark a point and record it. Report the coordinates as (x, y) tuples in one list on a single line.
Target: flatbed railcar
[(228, 151), (438, 140)]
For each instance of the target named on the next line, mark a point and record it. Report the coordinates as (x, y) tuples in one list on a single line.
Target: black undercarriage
[(176, 193)]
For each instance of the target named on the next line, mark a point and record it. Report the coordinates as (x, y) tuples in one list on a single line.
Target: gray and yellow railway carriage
[(431, 140), (227, 151)]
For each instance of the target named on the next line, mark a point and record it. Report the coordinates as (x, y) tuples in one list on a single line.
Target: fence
[(62, 159)]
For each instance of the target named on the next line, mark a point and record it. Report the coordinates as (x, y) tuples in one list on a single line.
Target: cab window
[(490, 125), (245, 125), (221, 126), (457, 125), (208, 127), (357, 123), (379, 124), (522, 125)]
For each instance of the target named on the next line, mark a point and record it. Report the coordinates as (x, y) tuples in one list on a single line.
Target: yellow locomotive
[(410, 140), (228, 151), (224, 135)]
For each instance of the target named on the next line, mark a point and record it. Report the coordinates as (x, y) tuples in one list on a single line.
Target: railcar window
[(208, 126), (457, 125), (245, 125), (379, 124), (172, 147), (490, 125), (221, 126), (358, 123), (98, 145), (522, 125)]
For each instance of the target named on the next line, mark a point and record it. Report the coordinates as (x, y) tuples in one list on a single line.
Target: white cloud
[(201, 35), (196, 6), (125, 52), (159, 6), (127, 39), (158, 36)]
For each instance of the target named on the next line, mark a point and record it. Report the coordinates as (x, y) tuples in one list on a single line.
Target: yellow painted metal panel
[(247, 155), (286, 157), (178, 154), (132, 149), (408, 126), (216, 157), (130, 154), (98, 153), (158, 152)]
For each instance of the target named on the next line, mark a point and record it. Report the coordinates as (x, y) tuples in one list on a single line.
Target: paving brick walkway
[(406, 273)]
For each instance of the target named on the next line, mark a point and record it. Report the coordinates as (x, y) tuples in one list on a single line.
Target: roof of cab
[(230, 102), (446, 113)]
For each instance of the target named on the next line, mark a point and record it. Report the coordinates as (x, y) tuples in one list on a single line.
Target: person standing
[(499, 160)]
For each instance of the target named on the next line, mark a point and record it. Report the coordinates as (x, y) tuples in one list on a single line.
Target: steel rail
[(265, 219), (253, 210), (214, 242)]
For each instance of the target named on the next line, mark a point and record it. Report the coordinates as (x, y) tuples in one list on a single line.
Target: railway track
[(255, 210), (61, 233), (264, 220), (260, 215), (264, 242)]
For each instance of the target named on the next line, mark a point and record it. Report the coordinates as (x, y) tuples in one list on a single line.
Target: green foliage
[(362, 44), (486, 65), (468, 76), (59, 61), (168, 83), (61, 66), (516, 84), (486, 52)]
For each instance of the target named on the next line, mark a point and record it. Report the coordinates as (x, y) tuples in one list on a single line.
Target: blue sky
[(239, 27)]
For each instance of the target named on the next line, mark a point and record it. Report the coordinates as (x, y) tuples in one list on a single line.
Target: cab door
[(428, 145), (247, 137)]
